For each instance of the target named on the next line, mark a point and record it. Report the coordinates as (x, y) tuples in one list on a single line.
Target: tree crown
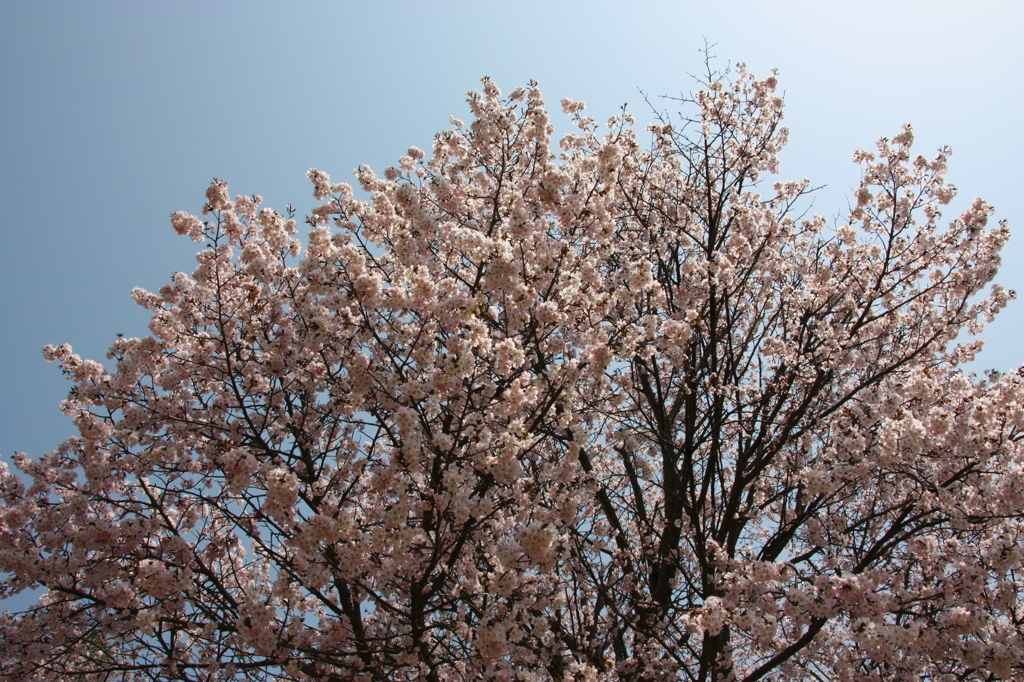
[(611, 412)]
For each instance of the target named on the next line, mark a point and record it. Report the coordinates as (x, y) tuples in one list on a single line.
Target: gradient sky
[(113, 115)]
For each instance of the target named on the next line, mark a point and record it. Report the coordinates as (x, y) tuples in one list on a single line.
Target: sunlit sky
[(113, 115)]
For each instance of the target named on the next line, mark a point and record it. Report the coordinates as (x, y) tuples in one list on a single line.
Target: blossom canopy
[(615, 412)]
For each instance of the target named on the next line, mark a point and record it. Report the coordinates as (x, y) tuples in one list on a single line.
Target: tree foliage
[(610, 413)]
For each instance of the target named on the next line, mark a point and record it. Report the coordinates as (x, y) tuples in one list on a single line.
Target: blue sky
[(113, 115)]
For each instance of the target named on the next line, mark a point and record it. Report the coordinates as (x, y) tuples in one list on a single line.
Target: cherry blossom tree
[(615, 412)]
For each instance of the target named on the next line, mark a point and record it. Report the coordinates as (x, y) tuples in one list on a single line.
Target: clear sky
[(113, 115)]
